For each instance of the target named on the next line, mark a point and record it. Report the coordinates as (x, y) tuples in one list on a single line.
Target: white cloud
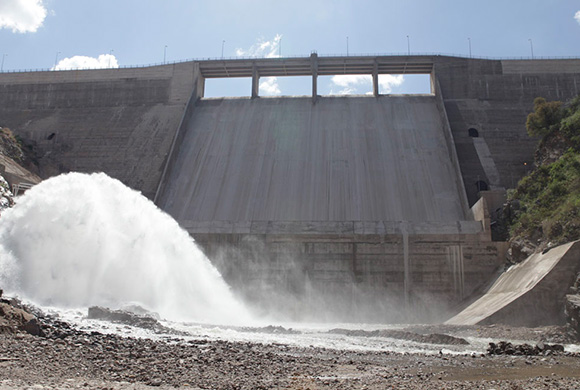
[(269, 86), (84, 62), (350, 83), (388, 81), (265, 49), (353, 84), (262, 48), (577, 16), (348, 80), (22, 15)]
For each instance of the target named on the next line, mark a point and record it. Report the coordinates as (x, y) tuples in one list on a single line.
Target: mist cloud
[(84, 62), (22, 16), (577, 17)]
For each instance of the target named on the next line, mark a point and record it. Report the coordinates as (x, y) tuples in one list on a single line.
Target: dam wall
[(395, 274), (487, 103), (120, 121), (363, 205), (123, 121), (343, 202), (341, 159)]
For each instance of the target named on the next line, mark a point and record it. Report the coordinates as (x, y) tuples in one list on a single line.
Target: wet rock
[(13, 319), (507, 348), (140, 311), (271, 330), (32, 327), (572, 310), (119, 316), (521, 248), (434, 338), (128, 318)]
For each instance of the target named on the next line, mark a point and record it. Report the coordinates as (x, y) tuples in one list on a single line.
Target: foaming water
[(303, 335), (78, 240)]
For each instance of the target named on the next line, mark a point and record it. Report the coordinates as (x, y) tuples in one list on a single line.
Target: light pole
[(56, 59), (223, 43), (164, 53), (531, 47), (2, 66), (469, 40), (280, 47), (347, 46), (408, 45)]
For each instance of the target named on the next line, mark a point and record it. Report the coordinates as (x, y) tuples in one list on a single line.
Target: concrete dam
[(353, 207), (342, 159)]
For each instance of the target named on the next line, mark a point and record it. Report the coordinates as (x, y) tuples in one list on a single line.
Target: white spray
[(78, 240)]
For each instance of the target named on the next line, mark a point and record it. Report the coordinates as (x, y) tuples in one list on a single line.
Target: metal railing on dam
[(286, 57)]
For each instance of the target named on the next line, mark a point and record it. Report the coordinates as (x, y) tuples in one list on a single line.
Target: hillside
[(17, 165), (544, 209)]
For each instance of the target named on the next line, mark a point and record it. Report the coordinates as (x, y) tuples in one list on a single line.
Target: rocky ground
[(62, 357), (111, 362)]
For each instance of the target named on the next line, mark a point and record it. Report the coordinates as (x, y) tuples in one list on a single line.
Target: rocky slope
[(23, 154), (17, 165), (6, 198), (544, 209)]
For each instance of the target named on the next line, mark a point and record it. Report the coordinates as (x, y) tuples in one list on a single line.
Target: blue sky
[(37, 34)]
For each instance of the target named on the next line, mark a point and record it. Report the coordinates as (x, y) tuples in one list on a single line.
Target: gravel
[(94, 360), (64, 357)]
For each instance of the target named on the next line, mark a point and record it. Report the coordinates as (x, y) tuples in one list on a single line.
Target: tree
[(545, 118), (570, 125)]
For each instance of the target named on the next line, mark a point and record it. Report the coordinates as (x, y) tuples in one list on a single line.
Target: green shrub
[(550, 201), (545, 118), (570, 125)]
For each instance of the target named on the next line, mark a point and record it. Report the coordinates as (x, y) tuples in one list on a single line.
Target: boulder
[(572, 310), (128, 318), (14, 319), (507, 348), (434, 338), (32, 327)]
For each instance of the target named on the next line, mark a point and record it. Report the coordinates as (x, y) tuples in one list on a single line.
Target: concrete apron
[(530, 293)]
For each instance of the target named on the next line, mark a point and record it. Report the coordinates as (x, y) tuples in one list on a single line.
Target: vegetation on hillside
[(545, 206), (10, 146), (14, 147)]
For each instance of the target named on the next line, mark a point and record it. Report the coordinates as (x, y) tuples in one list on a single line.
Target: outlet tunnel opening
[(473, 132), (481, 185)]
